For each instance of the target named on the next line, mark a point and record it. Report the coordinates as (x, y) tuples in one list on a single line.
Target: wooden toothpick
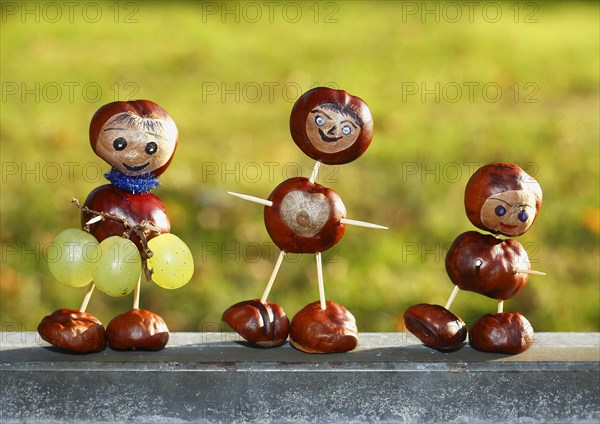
[(263, 299), (320, 281), (252, 198), (529, 271), (452, 296), (86, 298), (362, 224)]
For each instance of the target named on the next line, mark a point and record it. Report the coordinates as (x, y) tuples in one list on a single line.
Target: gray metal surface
[(213, 377)]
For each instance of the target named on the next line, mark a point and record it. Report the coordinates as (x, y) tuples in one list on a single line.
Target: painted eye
[(119, 143), (319, 120), (346, 130), (500, 210), (522, 216), (151, 148)]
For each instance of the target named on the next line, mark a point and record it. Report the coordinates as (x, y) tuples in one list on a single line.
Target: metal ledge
[(214, 377)]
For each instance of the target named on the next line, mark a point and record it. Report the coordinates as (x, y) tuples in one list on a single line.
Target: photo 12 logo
[(66, 91), (270, 12), (53, 12)]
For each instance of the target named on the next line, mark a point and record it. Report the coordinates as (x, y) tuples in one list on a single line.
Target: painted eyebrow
[(157, 135), (350, 122), (116, 129), (503, 201), (320, 111)]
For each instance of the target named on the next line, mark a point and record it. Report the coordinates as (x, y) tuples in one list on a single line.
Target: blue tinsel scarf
[(134, 185)]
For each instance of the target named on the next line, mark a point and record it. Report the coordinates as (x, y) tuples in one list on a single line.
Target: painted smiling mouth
[(327, 139), (507, 226), (135, 168)]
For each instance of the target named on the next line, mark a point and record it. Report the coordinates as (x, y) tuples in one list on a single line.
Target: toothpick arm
[(252, 198), (362, 224)]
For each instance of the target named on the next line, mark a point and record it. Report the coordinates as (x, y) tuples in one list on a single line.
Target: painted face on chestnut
[(510, 212), (332, 128), (134, 145)]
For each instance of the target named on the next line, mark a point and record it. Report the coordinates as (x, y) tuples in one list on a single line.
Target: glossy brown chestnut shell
[(305, 217), (137, 329), (324, 95), (141, 108), (261, 324), (506, 332), (73, 330), (135, 208), (316, 330), (484, 264), (496, 178), (435, 326)]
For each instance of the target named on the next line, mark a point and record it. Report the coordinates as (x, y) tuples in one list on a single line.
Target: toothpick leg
[(263, 299), (320, 281), (451, 298), (136, 294), (86, 298)]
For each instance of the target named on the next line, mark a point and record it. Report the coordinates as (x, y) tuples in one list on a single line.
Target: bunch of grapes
[(115, 265)]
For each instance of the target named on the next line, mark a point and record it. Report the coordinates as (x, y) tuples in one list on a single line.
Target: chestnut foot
[(73, 330), (261, 324), (435, 326), (507, 332), (316, 330), (137, 329)]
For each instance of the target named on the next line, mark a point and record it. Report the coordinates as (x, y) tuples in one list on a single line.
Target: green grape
[(118, 266), (172, 262), (70, 257)]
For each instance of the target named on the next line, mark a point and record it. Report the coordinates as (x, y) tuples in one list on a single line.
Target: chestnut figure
[(329, 330), (435, 326), (503, 199), (507, 332), (331, 126), (137, 329), (73, 330), (484, 264), (138, 140), (261, 324), (302, 216)]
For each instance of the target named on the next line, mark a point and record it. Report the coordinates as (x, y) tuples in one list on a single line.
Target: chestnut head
[(135, 137), (503, 199), (331, 126)]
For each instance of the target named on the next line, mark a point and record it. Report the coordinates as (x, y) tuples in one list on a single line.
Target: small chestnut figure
[(503, 199), (126, 229), (301, 216)]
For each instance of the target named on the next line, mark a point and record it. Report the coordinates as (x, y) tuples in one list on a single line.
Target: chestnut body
[(305, 217), (487, 265), (134, 208)]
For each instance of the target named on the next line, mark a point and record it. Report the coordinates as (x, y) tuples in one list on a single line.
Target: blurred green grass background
[(230, 83)]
